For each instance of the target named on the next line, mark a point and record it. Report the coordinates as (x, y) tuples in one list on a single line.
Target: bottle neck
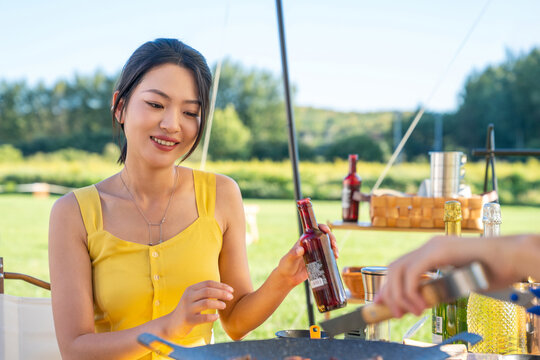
[(453, 228), (492, 229), (308, 218), (352, 165)]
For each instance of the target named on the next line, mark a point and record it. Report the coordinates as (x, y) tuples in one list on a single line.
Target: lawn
[(23, 244)]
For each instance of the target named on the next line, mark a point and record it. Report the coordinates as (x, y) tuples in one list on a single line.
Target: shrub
[(8, 153), (519, 183)]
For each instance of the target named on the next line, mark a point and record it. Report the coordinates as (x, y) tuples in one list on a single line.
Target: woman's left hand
[(325, 229), (292, 267)]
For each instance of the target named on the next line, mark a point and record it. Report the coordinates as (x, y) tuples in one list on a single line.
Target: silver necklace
[(150, 224)]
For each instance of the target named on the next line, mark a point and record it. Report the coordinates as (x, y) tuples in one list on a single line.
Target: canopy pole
[(293, 149)]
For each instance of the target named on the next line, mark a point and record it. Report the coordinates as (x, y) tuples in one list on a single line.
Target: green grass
[(23, 244)]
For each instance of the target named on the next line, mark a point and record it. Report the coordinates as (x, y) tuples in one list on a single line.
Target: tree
[(507, 95), (368, 149), (257, 96), (229, 138)]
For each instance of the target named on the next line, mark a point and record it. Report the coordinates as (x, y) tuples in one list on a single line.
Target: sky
[(345, 55)]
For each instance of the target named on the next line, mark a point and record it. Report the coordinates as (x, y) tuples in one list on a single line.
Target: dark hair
[(155, 53)]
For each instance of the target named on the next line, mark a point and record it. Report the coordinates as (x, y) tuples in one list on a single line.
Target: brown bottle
[(321, 266), (351, 191)]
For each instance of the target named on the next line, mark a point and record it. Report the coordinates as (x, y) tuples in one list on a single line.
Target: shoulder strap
[(205, 192), (90, 205)]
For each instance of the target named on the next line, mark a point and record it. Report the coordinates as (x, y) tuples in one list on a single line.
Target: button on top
[(157, 302), (155, 254), (156, 277)]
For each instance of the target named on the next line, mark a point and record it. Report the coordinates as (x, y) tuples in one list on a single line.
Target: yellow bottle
[(501, 324)]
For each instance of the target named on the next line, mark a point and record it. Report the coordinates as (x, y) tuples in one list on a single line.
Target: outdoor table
[(364, 225)]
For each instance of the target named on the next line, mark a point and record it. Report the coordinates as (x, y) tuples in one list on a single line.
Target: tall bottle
[(350, 197), (450, 319), (456, 312), (323, 273), (501, 324)]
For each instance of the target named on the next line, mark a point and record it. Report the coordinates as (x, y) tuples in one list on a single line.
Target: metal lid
[(452, 211), (374, 270), (491, 213)]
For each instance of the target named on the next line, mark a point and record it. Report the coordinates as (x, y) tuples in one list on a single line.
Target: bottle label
[(316, 274), (436, 339), (438, 325), (346, 197)]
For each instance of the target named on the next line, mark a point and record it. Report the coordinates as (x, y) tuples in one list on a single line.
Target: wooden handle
[(374, 313), (29, 279), (430, 295)]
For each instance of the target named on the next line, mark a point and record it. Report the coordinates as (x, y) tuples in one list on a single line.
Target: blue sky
[(343, 54)]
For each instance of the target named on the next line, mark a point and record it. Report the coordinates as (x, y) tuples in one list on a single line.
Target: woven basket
[(424, 212), (352, 277)]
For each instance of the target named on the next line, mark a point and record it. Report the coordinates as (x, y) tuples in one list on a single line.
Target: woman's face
[(162, 118)]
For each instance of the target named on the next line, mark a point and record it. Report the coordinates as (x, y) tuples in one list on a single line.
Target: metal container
[(374, 278), (447, 171)]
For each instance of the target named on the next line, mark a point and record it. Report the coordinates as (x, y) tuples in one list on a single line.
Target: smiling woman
[(157, 247)]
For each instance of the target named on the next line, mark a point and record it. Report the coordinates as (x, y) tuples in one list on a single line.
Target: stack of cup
[(446, 172), (374, 277)]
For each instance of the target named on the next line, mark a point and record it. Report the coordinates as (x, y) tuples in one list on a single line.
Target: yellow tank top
[(135, 283)]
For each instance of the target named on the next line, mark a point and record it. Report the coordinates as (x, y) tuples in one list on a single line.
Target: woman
[(157, 247)]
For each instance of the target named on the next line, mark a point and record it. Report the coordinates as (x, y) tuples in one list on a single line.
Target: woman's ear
[(119, 110)]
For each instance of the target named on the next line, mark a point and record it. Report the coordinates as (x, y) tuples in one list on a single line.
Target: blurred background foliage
[(519, 182), (61, 133)]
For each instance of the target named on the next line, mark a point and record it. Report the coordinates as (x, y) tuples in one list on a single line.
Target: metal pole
[(293, 149), (397, 134), (438, 142)]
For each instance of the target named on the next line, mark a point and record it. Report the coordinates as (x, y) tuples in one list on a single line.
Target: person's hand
[(206, 295), (401, 292), (291, 266), (325, 229)]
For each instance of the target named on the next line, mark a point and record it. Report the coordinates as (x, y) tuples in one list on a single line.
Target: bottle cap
[(353, 156), (452, 211), (304, 202), (491, 213)]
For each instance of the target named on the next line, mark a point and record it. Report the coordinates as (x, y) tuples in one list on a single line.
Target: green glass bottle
[(450, 319), (456, 312)]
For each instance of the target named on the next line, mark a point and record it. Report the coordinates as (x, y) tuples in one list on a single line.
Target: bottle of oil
[(449, 319), (501, 324)]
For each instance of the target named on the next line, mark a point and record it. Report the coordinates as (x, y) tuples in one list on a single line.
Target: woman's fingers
[(207, 304), (205, 318), (325, 229), (211, 284), (211, 293)]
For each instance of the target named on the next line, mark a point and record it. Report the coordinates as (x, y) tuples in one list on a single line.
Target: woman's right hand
[(206, 295)]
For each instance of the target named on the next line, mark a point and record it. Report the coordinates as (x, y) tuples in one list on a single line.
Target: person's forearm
[(526, 254), (112, 345), (253, 309)]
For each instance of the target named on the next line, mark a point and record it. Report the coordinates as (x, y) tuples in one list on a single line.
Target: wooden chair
[(26, 324)]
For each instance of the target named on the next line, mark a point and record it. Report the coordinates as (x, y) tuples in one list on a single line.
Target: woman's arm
[(249, 308), (72, 297), (507, 259)]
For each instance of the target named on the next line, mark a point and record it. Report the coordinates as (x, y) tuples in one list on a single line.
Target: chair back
[(26, 324)]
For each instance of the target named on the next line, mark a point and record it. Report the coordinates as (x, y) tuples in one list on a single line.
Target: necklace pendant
[(160, 224)]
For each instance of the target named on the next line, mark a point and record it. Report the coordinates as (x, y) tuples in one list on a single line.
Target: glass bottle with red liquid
[(350, 198), (321, 266)]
